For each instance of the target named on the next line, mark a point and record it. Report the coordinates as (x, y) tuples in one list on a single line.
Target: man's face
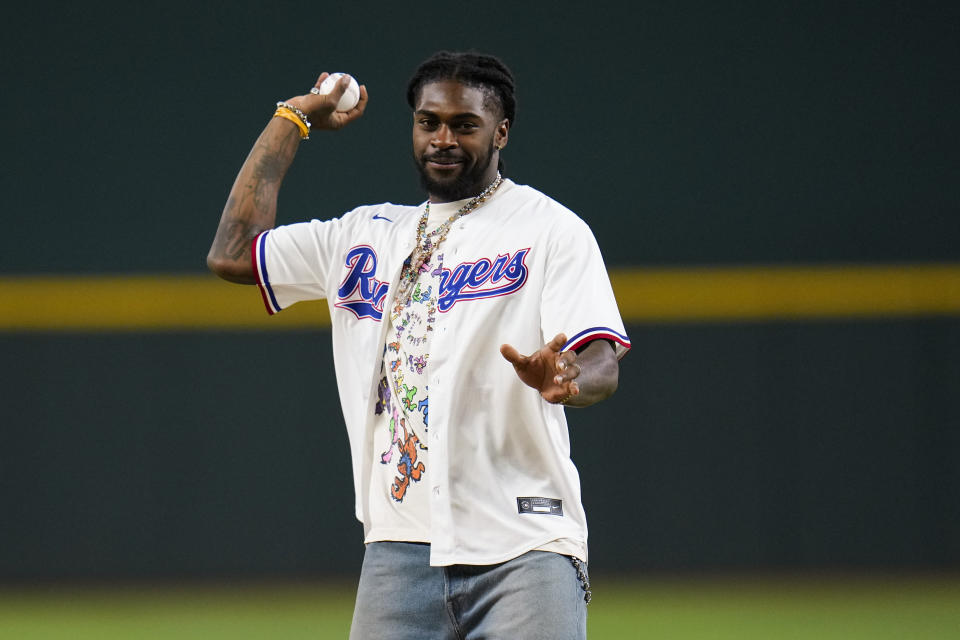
[(456, 133)]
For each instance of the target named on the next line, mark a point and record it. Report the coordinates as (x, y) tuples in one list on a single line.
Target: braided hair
[(485, 72)]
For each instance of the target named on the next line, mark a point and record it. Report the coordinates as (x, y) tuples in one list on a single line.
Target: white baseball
[(350, 97)]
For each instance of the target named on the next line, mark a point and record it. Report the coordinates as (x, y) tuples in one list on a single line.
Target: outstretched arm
[(252, 204), (567, 377)]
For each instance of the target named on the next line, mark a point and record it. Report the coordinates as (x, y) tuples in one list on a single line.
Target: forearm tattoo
[(236, 239), (252, 208)]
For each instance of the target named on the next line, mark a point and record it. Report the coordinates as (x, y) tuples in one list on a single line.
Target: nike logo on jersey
[(377, 216)]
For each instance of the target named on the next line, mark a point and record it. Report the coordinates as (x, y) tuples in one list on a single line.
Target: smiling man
[(453, 149), (463, 481)]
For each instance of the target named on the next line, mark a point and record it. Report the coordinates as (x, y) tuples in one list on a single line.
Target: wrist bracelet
[(287, 115), (294, 115)]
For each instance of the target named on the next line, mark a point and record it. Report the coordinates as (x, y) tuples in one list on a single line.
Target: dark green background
[(685, 133)]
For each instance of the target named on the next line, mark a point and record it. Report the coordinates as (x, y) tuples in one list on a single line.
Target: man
[(463, 480)]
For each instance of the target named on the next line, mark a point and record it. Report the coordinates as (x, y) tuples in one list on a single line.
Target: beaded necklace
[(425, 244)]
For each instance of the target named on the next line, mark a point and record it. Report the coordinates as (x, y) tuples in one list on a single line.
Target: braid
[(485, 72)]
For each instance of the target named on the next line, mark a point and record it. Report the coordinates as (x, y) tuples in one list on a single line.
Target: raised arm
[(252, 204)]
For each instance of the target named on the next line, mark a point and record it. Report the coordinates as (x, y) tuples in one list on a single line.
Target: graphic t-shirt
[(399, 503)]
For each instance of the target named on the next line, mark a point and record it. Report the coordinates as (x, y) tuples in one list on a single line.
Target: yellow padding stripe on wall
[(169, 302), (143, 303), (740, 293)]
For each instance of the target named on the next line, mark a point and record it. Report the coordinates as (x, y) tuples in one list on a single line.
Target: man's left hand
[(550, 370)]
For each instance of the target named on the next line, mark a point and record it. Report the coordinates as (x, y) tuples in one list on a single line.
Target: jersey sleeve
[(577, 297), (291, 263)]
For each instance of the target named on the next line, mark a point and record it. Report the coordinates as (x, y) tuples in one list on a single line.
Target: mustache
[(441, 156)]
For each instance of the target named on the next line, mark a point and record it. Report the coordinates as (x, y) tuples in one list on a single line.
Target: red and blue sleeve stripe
[(598, 333), (257, 256)]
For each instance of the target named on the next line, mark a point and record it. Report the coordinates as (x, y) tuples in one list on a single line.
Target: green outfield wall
[(755, 445), (775, 188)]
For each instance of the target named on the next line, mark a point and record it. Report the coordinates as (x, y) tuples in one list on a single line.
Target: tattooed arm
[(252, 204)]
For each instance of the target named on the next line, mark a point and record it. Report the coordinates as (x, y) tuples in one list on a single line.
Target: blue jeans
[(538, 595)]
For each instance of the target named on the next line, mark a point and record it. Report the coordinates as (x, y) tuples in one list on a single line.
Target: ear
[(501, 134)]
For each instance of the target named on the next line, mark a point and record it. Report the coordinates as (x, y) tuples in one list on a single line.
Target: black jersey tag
[(544, 506)]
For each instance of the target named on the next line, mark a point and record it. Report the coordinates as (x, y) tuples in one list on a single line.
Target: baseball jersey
[(519, 269)]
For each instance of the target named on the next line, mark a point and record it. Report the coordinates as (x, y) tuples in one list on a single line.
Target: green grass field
[(744, 608)]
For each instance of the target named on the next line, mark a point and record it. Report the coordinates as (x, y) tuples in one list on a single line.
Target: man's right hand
[(321, 109)]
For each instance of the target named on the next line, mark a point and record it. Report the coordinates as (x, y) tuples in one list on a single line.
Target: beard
[(468, 183)]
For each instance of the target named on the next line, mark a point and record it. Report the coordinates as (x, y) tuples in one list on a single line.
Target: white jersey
[(519, 269)]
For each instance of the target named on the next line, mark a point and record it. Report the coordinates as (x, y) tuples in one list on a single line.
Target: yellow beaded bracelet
[(287, 114)]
